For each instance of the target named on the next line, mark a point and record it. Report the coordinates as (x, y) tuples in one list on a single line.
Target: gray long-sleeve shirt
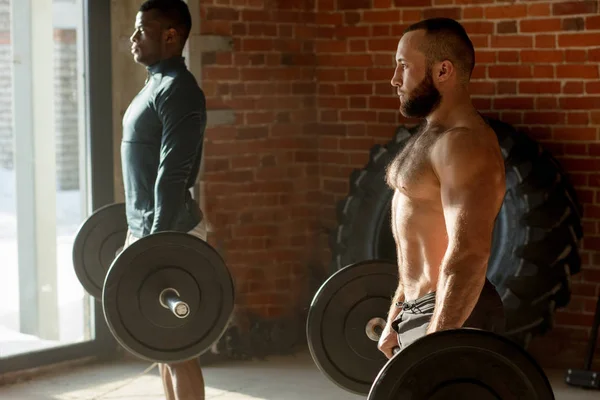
[(163, 132)]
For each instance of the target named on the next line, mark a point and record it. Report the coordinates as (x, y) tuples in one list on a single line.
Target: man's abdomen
[(421, 240)]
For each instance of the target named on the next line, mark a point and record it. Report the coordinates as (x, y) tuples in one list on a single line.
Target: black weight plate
[(337, 320), (139, 274), (463, 363), (95, 246)]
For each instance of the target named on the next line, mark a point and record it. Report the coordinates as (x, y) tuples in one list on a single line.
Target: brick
[(575, 55), (538, 9), (543, 71), (485, 57), (573, 24), (411, 3), (508, 56), (574, 133), (411, 15), (538, 87), (478, 27), (468, 2), (331, 46), (385, 103), (592, 22), (482, 88), (382, 3), (540, 25), (578, 118), (349, 60), (481, 103), (512, 41), (353, 4), (509, 71), (575, 7), (329, 18), (592, 87), (507, 87), (545, 41), (358, 102), (387, 45), (480, 41), (356, 75), (351, 31), (542, 56), (506, 11), (380, 30), (222, 13), (473, 12), (513, 103), (352, 18), (381, 17), (220, 73), (572, 87), (354, 88), (578, 40), (546, 103), (543, 118), (580, 103), (504, 27), (577, 71), (445, 12), (594, 54)]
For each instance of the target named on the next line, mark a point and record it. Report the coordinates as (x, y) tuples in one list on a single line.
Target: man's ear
[(443, 71), (171, 35)]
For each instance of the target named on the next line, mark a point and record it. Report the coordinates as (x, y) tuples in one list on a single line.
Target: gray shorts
[(412, 322)]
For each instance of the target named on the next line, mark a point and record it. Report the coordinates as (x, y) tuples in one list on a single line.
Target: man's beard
[(423, 100)]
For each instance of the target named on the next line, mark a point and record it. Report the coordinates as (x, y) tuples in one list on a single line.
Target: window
[(49, 136)]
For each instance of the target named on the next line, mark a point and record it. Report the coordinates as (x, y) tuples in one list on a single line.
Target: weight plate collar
[(132, 289), (341, 310), (96, 243)]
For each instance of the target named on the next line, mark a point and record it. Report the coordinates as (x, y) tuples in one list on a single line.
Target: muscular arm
[(181, 109), (472, 184)]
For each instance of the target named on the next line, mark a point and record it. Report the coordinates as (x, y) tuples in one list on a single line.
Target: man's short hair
[(446, 39), (176, 12)]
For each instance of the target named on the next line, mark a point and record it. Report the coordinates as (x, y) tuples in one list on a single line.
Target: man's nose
[(396, 79)]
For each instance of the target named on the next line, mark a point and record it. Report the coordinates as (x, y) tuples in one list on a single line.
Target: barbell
[(166, 298), (344, 324)]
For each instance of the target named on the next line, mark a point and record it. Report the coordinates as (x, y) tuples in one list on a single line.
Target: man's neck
[(452, 110)]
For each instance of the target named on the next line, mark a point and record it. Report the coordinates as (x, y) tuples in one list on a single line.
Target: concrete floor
[(278, 378)]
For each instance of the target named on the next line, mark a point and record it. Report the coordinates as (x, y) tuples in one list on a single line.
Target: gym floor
[(277, 378)]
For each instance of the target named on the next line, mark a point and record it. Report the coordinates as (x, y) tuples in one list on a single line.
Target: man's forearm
[(394, 309), (458, 290)]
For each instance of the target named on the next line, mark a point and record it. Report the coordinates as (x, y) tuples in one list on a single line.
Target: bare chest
[(411, 169)]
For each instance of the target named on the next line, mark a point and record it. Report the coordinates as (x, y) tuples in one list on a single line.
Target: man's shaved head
[(446, 39)]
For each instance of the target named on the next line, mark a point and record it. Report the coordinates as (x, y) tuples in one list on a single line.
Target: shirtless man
[(163, 132), (448, 187)]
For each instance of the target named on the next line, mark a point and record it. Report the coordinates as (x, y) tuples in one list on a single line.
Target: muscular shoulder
[(468, 152)]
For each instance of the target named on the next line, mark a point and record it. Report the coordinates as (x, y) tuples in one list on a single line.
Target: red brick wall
[(325, 66), (261, 175)]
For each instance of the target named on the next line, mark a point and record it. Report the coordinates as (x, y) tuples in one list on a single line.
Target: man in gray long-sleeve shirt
[(163, 130)]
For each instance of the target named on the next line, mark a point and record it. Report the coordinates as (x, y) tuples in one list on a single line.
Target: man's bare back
[(418, 222)]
